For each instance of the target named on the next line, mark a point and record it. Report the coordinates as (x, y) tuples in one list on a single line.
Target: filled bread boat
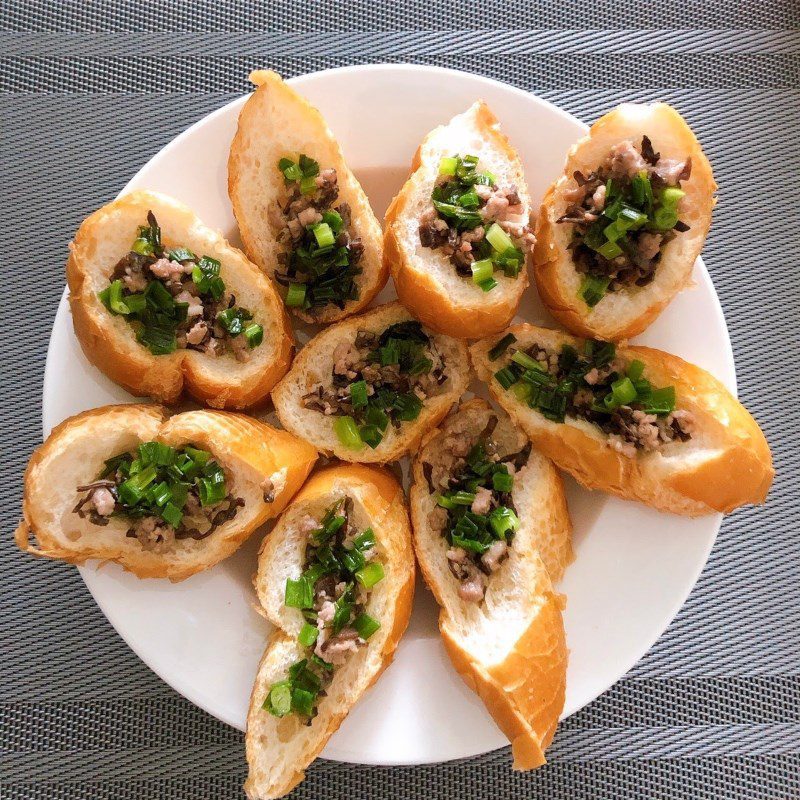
[(164, 496), (302, 214), (161, 303), (633, 421), (492, 536), (367, 388), (457, 236), (336, 579), (618, 233)]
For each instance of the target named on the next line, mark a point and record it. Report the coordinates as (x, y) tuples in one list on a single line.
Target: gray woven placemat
[(89, 91)]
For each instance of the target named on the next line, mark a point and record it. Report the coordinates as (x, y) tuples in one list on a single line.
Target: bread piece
[(277, 122), (109, 341), (510, 647), (314, 365), (624, 313), (426, 282), (726, 464), (280, 749), (250, 452)]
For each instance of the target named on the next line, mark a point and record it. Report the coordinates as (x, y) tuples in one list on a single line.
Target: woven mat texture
[(90, 90)]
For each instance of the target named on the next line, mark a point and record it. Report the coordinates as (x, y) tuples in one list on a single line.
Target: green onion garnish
[(498, 238), (254, 334), (347, 432), (370, 574), (506, 377), (323, 234), (279, 699), (358, 394), (501, 346), (481, 270), (299, 593), (296, 295), (308, 635), (502, 481), (366, 625), (447, 166)]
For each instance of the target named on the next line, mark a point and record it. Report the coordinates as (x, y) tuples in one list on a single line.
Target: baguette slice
[(250, 452), (279, 750), (726, 464), (314, 365), (109, 342), (275, 122), (622, 314), (426, 282), (509, 648)]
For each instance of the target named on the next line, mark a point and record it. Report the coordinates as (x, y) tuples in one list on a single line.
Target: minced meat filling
[(624, 213), (473, 480), (379, 379), (167, 494), (319, 263), (477, 224), (599, 387), (177, 300), (332, 592)]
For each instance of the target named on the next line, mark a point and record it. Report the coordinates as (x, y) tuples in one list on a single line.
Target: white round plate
[(634, 566)]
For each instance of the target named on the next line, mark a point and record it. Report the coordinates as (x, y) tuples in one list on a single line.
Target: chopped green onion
[(333, 219), (365, 541), (298, 593), (254, 334), (447, 166), (445, 502), (488, 284), (469, 544), (469, 200), (290, 170), (610, 250), (308, 635), (506, 377), (481, 270), (323, 234), (503, 521), (358, 394), (501, 346), (212, 490), (524, 360), (303, 702), (308, 185), (662, 401), (462, 498), (366, 625), (347, 432), (172, 515), (353, 560), (498, 238), (370, 574), (635, 370), (132, 490), (111, 297), (502, 481), (623, 391), (522, 391), (296, 295), (156, 453), (371, 435), (279, 700)]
